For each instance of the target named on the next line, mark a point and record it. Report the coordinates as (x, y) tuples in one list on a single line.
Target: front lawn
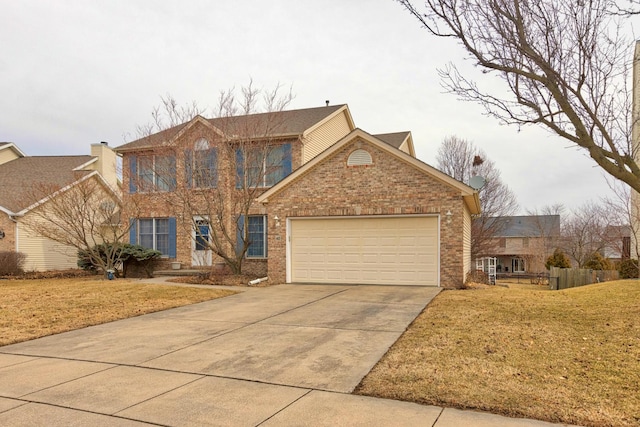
[(569, 356), (34, 308)]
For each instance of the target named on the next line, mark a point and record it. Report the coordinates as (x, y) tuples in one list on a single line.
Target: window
[(201, 165), (517, 265), (152, 173), (202, 235), (155, 233), (256, 235), (359, 158), (262, 166)]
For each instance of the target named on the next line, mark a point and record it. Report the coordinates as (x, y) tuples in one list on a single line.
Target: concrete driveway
[(241, 359), (283, 355)]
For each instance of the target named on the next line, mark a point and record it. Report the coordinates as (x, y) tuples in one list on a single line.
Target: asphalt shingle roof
[(282, 123), (527, 226), (20, 178), (394, 139)]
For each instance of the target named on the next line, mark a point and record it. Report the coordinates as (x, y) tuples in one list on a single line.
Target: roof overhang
[(14, 147)]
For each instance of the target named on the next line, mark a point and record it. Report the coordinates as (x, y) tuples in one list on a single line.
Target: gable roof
[(469, 194), (11, 146), (526, 225), (281, 124), (23, 175), (397, 139)]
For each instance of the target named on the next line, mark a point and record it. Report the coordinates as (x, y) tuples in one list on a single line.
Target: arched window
[(359, 157), (201, 144)]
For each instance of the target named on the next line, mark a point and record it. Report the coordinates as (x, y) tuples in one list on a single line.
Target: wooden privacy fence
[(563, 278)]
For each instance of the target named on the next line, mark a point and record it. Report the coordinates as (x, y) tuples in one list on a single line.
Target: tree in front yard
[(81, 216), (225, 173), (563, 65)]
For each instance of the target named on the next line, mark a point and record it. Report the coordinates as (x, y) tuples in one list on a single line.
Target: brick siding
[(387, 187)]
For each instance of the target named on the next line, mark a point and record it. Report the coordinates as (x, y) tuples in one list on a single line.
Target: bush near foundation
[(11, 263)]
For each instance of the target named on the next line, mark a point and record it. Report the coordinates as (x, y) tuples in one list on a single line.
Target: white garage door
[(383, 250)]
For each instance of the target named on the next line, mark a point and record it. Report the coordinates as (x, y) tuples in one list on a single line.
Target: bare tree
[(583, 233), (223, 174), (564, 65), (81, 216), (462, 160)]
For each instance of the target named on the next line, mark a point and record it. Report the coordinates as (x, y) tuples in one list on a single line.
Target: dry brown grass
[(35, 308), (569, 356)]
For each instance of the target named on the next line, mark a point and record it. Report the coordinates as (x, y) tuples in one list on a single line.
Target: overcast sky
[(73, 73)]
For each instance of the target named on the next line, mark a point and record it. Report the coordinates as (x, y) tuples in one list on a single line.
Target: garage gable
[(365, 212)]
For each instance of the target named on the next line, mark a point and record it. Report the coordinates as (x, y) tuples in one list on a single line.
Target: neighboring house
[(339, 205), (617, 242), (22, 176), (523, 243)]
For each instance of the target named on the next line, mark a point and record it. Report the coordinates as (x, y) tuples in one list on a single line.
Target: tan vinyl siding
[(44, 254), (466, 241), (7, 155), (324, 136), (405, 147)]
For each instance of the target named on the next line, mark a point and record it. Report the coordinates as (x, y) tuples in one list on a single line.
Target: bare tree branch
[(564, 64)]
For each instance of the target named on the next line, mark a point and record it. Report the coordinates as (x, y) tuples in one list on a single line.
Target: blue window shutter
[(172, 238), (213, 167), (239, 168), (286, 161), (240, 234), (133, 174), (188, 167), (133, 231)]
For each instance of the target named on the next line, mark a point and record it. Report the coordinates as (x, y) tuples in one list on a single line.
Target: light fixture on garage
[(448, 214), (277, 220)]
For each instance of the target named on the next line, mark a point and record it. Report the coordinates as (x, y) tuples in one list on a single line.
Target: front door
[(200, 249)]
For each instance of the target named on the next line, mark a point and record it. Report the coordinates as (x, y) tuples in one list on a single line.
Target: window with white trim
[(359, 157), (202, 165), (153, 173), (257, 236)]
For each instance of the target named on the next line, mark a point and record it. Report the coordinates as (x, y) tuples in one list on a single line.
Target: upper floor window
[(152, 173), (262, 166), (201, 165)]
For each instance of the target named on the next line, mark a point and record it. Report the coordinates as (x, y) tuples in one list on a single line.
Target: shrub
[(11, 263), (558, 259), (137, 255), (127, 256), (598, 262), (477, 276), (628, 269)]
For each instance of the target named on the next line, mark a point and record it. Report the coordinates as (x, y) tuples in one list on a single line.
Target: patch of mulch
[(220, 279), (54, 274)]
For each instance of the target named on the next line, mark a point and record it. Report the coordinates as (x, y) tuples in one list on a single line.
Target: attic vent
[(359, 157)]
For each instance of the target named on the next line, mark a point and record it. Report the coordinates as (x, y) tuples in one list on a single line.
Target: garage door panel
[(396, 250)]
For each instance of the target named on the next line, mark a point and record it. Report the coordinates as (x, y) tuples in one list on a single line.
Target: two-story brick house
[(370, 205)]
